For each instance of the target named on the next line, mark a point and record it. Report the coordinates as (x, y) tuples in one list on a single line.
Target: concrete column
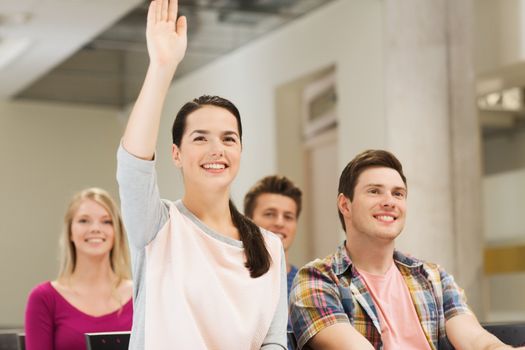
[(431, 124), (466, 153)]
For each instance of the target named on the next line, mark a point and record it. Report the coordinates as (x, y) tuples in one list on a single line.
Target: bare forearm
[(487, 341), (465, 333), (340, 336), (140, 137)]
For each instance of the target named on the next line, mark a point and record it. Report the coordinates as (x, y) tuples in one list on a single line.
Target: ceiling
[(94, 52)]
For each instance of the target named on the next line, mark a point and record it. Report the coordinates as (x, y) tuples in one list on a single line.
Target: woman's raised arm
[(166, 40)]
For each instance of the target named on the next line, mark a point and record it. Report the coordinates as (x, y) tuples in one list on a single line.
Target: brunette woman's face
[(92, 230), (210, 149)]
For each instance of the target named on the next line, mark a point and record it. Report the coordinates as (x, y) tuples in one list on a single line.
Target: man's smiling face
[(277, 213), (378, 208)]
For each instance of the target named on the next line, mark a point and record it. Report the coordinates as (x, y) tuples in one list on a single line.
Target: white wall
[(500, 33), (504, 207), (504, 151), (503, 226), (47, 153), (506, 302), (487, 29)]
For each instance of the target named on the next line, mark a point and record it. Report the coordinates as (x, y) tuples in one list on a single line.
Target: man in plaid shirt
[(367, 295)]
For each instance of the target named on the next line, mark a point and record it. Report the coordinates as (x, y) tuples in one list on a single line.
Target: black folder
[(107, 341)]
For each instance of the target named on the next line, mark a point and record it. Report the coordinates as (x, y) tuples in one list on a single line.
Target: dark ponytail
[(258, 258)]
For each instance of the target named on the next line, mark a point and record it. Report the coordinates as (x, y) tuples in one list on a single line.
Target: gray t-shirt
[(144, 213)]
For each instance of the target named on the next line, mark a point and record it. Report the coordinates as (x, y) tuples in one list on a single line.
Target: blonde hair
[(119, 254)]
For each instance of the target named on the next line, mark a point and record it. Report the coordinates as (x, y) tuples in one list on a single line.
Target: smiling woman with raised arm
[(93, 291), (205, 277)]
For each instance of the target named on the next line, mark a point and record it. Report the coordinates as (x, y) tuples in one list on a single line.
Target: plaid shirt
[(330, 291)]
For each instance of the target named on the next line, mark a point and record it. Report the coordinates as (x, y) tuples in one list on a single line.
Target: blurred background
[(438, 82)]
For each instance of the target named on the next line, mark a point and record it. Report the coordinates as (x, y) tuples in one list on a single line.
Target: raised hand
[(166, 36)]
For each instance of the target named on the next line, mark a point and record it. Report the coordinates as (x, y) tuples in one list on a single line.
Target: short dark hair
[(364, 160), (272, 184)]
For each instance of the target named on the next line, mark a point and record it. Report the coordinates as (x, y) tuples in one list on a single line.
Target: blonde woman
[(93, 291)]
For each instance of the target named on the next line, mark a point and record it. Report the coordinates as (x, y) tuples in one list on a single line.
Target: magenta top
[(52, 323)]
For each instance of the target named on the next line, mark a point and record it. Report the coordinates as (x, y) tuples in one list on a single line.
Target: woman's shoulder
[(42, 293), (44, 288), (273, 242), (269, 236)]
